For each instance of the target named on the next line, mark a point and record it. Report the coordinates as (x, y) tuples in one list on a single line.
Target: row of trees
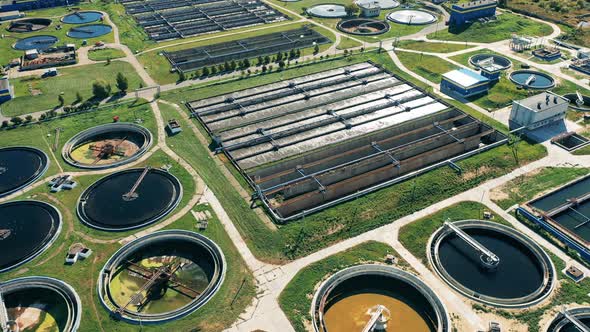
[(263, 62)]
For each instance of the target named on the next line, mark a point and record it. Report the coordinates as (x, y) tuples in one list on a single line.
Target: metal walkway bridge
[(4, 320), (376, 323), (488, 258), (575, 321)]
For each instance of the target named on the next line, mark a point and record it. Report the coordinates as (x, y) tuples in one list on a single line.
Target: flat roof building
[(464, 83), (463, 13), (12, 5), (539, 110), (369, 9), (11, 15)]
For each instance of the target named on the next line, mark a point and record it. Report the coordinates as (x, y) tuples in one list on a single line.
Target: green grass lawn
[(68, 82), (8, 53), (319, 230), (42, 135), (503, 28), (528, 186), (105, 54), (295, 300), (420, 45), (159, 67), (428, 66)]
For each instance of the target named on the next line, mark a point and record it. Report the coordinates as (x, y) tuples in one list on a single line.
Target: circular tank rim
[(495, 56), (67, 292), (576, 107), (368, 20), (539, 295), (34, 179), (88, 133), (334, 280), (56, 39), (308, 10), (153, 220), (82, 11), (137, 244), (359, 2), (48, 244), (536, 72), (28, 19), (434, 16), (88, 25), (560, 322)]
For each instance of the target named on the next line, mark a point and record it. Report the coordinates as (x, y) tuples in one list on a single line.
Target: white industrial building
[(539, 110)]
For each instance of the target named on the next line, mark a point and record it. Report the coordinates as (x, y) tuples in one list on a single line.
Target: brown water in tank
[(351, 314)]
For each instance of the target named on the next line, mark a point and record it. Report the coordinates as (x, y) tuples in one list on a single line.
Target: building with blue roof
[(463, 13), (464, 83), (6, 91)]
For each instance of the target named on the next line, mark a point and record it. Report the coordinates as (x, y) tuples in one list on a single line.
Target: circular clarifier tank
[(29, 24), (498, 61), (129, 199), (20, 167), (41, 304), (327, 10), (523, 275), (27, 228), (563, 324), (530, 79), (35, 43), (412, 17), (106, 146), (89, 31), (346, 301), (582, 105), (363, 26), (82, 17), (161, 277), (383, 4)]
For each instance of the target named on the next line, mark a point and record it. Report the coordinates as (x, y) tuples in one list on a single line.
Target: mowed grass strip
[(420, 45), (428, 66), (105, 54), (33, 93)]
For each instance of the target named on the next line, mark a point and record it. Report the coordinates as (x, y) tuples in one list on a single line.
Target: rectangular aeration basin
[(314, 141), (171, 19)]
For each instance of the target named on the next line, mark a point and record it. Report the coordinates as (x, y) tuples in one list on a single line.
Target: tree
[(266, 60), (292, 54), (226, 66), (61, 100), (213, 70), (233, 65), (279, 56), (181, 77), (4, 124), (281, 64), (78, 97), (264, 68), (122, 83), (260, 61), (16, 120), (316, 49), (246, 63), (101, 89), (206, 71), (351, 9), (28, 118), (108, 61)]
